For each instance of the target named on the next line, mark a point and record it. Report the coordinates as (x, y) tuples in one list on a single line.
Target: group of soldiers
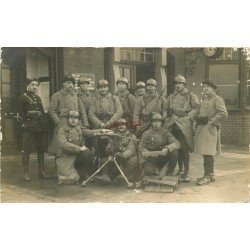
[(151, 136)]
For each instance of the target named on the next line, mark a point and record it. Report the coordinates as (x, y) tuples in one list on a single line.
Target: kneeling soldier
[(74, 160), (124, 146), (158, 150)]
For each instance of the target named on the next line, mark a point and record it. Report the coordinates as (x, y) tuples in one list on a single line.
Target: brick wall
[(84, 60)]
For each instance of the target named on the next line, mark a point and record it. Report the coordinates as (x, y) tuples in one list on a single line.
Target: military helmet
[(210, 83), (122, 79), (73, 113), (82, 80), (102, 82), (151, 82), (156, 117), (31, 79), (140, 84), (180, 79)]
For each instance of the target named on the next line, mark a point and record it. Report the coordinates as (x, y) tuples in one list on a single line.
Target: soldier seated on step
[(158, 150), (74, 160), (123, 145)]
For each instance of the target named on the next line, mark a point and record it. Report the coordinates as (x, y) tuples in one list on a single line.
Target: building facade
[(229, 69)]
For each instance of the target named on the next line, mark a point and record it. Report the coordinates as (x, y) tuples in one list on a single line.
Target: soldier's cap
[(156, 117), (151, 82), (83, 80), (121, 121), (68, 78), (210, 83), (73, 113), (122, 79), (180, 79), (31, 79), (103, 82), (140, 85)]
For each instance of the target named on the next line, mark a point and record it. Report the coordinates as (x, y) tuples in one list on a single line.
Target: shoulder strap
[(29, 98)]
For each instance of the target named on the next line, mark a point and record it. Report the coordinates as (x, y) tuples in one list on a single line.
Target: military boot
[(204, 181), (26, 173), (42, 173)]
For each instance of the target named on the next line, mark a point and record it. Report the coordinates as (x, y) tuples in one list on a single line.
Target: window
[(229, 54), (137, 54)]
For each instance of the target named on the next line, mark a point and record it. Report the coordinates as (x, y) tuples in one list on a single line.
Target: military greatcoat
[(207, 136)]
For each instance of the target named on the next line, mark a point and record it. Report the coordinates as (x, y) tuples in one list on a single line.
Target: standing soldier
[(145, 105), (87, 99), (140, 89), (127, 100), (104, 114), (61, 103), (30, 112), (157, 150), (124, 146), (207, 136), (182, 107)]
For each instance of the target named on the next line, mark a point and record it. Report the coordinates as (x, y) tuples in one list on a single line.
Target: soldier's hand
[(83, 148), (164, 151), (102, 125)]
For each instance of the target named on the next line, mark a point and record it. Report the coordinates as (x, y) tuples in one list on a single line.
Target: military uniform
[(144, 107), (34, 124), (207, 134), (87, 99), (182, 107), (71, 162), (61, 103), (150, 159), (139, 85)]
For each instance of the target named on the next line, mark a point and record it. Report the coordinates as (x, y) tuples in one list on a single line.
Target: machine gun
[(112, 157)]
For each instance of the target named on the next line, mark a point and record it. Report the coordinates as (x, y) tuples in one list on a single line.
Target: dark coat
[(207, 137)]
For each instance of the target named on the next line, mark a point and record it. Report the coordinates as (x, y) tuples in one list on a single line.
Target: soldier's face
[(73, 121), (121, 127), (103, 90), (150, 88), (33, 86), (207, 89), (84, 86), (179, 86), (69, 86), (140, 91), (121, 86), (156, 124)]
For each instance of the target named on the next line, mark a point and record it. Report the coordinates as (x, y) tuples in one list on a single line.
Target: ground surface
[(232, 183)]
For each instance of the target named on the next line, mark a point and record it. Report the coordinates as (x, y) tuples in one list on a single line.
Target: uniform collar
[(108, 95), (81, 92), (64, 92), (67, 127), (183, 92), (124, 94), (151, 95), (30, 93)]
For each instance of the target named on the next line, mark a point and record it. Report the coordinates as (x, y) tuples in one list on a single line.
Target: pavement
[(232, 171)]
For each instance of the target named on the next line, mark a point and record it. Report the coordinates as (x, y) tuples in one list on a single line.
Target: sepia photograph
[(125, 124)]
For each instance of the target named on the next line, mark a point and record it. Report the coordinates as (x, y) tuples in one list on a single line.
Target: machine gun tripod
[(112, 158)]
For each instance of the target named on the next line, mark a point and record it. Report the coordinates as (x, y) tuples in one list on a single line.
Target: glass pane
[(5, 76), (127, 73), (5, 90), (229, 94)]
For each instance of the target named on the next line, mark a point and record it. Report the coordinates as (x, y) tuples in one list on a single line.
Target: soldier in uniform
[(104, 114), (182, 107), (140, 89), (74, 160), (83, 93), (88, 99), (124, 146), (207, 135), (61, 103), (145, 105), (158, 150), (127, 100), (31, 114)]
